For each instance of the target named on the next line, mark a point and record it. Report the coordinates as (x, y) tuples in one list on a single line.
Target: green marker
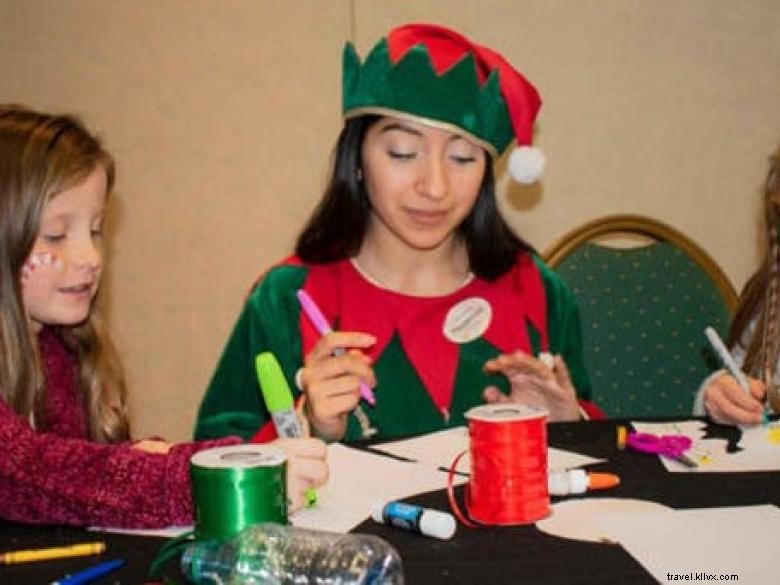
[(279, 402)]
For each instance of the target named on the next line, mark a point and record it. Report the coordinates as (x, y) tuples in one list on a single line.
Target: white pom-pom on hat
[(526, 164)]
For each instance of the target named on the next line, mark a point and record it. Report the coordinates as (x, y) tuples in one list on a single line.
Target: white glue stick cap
[(437, 524), (376, 512)]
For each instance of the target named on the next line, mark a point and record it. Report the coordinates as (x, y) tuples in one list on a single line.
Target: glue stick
[(578, 481), (414, 518)]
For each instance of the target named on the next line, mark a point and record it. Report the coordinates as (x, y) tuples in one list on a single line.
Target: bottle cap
[(437, 524)]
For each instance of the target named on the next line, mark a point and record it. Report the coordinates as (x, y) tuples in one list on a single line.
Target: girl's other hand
[(535, 384), (331, 378), (307, 467), (727, 403), (153, 446)]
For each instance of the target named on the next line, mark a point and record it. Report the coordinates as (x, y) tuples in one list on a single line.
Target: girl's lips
[(78, 290), (426, 217)]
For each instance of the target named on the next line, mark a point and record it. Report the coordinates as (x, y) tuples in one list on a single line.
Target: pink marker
[(323, 328)]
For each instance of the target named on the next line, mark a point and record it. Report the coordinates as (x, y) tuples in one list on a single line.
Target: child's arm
[(45, 478)]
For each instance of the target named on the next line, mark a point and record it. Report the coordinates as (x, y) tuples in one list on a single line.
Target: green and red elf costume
[(430, 351)]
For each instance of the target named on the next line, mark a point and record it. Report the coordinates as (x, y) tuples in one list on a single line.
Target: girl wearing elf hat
[(439, 306)]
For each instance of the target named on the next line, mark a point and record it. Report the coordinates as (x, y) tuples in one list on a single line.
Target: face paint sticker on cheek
[(38, 260)]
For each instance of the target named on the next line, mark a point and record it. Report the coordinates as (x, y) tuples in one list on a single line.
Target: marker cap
[(276, 391), (437, 524)]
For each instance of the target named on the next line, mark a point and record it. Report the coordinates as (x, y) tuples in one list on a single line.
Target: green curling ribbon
[(236, 486)]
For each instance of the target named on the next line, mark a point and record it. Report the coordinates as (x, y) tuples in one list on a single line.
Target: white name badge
[(467, 320)]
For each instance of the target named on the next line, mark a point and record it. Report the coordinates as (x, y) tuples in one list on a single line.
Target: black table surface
[(507, 554)]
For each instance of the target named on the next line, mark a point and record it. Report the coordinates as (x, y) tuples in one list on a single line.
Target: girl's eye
[(97, 232), (463, 159), (54, 238), (401, 155)]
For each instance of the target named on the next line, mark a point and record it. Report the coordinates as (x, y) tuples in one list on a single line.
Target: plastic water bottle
[(281, 555)]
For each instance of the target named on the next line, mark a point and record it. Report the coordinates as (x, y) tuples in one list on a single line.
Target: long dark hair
[(337, 226)]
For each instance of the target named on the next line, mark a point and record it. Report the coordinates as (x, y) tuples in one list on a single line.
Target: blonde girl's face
[(422, 182), (61, 276)]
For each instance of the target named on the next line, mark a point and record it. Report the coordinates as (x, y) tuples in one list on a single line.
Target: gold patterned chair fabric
[(646, 292)]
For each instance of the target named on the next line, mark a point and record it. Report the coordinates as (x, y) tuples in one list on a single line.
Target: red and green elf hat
[(442, 78)]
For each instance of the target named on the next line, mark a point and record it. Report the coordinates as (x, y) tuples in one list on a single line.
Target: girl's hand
[(153, 446), (727, 403), (535, 384), (307, 467), (331, 382)]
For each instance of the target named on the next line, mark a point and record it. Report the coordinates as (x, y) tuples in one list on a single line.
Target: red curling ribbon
[(508, 485)]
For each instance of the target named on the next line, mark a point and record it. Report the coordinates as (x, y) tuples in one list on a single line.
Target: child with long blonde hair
[(65, 449), (755, 332)]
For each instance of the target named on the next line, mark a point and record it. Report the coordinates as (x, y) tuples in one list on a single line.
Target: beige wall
[(222, 115)]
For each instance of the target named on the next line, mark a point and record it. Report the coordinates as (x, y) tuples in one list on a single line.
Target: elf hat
[(441, 78)]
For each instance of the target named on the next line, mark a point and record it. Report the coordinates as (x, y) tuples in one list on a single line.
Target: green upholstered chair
[(646, 292)]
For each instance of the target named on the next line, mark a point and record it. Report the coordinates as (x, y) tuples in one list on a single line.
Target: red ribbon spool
[(508, 465)]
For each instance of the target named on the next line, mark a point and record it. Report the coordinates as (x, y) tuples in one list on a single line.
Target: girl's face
[(422, 181), (61, 276)]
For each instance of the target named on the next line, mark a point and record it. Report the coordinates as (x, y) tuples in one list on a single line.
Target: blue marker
[(90, 574)]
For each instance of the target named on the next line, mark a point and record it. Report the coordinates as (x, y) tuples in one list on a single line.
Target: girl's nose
[(88, 255), (433, 182)]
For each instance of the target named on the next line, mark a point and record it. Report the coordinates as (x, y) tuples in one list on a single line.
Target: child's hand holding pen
[(727, 402), (733, 398), (331, 381), (307, 468)]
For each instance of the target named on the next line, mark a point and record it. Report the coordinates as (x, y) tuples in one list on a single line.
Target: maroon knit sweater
[(61, 477)]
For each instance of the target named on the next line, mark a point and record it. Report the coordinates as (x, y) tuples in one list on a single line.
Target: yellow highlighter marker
[(57, 552), (279, 402)]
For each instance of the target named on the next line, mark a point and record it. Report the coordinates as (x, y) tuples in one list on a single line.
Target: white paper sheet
[(701, 542), (579, 519), (359, 479), (439, 449), (760, 447)]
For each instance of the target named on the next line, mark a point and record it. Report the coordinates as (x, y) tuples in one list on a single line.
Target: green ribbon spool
[(236, 486)]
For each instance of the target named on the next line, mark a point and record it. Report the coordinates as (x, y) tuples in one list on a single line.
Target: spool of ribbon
[(236, 486), (508, 448)]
